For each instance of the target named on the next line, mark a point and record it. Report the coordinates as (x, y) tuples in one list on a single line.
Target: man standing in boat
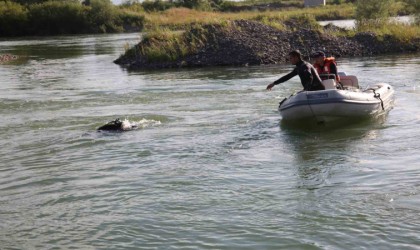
[(307, 73), (325, 66)]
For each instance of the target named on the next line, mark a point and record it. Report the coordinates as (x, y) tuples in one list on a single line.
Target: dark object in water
[(117, 125)]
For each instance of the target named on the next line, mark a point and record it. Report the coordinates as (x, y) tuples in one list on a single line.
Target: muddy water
[(209, 166)]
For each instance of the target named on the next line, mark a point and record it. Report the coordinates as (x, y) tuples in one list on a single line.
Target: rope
[(378, 96), (310, 107)]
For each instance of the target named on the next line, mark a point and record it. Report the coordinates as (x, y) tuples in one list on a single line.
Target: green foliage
[(337, 2), (195, 4), (203, 5), (29, 2), (57, 17), (13, 18), (413, 6), (163, 45), (403, 32), (157, 5), (270, 21), (66, 17), (103, 16), (132, 20), (132, 5), (373, 12)]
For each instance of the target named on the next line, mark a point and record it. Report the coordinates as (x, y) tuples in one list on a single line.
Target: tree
[(29, 2), (414, 5), (373, 12)]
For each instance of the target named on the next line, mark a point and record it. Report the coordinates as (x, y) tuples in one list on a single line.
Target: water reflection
[(321, 150), (215, 73)]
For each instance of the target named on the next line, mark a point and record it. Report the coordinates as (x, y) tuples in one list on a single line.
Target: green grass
[(171, 18), (399, 31), (163, 45)]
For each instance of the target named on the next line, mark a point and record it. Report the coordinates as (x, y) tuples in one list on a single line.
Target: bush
[(157, 5), (413, 6), (132, 20), (164, 45), (104, 17), (132, 6), (373, 12), (29, 2), (57, 17), (196, 4), (66, 17), (13, 18)]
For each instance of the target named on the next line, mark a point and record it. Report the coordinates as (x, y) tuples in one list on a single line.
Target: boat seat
[(349, 81), (329, 84)]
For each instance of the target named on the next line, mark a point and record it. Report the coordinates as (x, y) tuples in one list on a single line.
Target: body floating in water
[(117, 125)]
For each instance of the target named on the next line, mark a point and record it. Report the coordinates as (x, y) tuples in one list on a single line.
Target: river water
[(210, 166), (351, 23)]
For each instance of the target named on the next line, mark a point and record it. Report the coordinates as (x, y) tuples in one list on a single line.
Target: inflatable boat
[(333, 103)]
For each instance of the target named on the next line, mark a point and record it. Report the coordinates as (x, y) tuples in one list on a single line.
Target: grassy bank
[(163, 46), (171, 18)]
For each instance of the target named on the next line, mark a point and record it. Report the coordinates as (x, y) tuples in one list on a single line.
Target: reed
[(179, 18)]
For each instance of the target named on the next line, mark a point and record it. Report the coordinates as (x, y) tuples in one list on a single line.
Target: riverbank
[(245, 42)]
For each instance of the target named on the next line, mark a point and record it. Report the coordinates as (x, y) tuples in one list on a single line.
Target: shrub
[(13, 18), (57, 17), (132, 20), (413, 6), (66, 17), (29, 2), (163, 45), (132, 6), (195, 4), (103, 17), (156, 5), (373, 12)]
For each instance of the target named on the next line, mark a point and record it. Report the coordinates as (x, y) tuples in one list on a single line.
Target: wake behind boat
[(334, 104)]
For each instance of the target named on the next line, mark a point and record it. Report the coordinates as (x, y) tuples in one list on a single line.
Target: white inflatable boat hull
[(332, 104)]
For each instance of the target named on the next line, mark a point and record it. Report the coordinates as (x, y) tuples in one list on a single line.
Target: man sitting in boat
[(307, 73), (325, 66)]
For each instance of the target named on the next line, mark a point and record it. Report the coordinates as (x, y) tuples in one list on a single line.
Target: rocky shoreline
[(253, 43)]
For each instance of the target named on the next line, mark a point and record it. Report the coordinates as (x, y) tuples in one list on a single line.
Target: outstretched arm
[(333, 70), (282, 79)]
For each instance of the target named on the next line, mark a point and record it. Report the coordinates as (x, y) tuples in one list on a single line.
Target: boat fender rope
[(378, 96), (282, 102), (310, 107), (287, 98)]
